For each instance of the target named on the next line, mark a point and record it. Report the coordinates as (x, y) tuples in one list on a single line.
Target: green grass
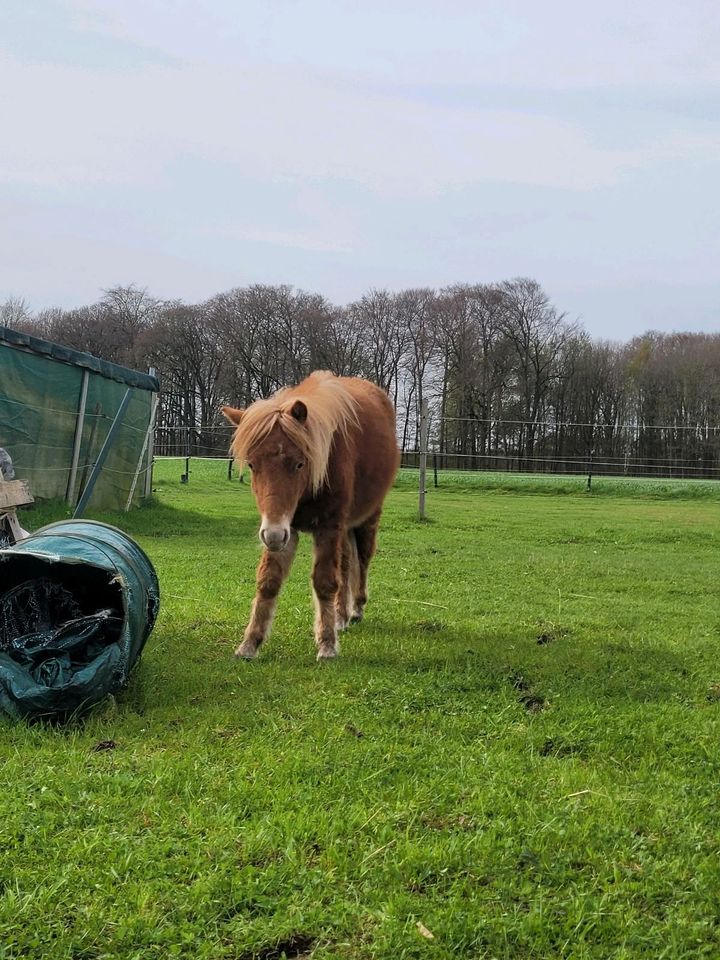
[(520, 799), (662, 488)]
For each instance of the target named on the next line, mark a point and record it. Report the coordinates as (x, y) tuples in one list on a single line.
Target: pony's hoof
[(246, 651), (327, 651)]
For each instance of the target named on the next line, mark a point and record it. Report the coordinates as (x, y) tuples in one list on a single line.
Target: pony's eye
[(299, 465)]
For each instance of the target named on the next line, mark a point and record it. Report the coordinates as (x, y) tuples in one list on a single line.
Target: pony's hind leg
[(326, 578), (271, 574), (349, 573), (366, 540)]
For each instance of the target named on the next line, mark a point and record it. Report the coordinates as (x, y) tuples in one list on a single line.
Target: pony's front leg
[(271, 574), (326, 581)]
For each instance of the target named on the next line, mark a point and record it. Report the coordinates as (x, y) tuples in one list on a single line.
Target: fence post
[(590, 459), (151, 441), (423, 454), (185, 478)]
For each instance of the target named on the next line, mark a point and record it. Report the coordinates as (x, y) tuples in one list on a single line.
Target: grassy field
[(516, 756)]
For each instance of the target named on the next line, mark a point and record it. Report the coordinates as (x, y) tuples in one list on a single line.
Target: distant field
[(661, 488), (517, 753)]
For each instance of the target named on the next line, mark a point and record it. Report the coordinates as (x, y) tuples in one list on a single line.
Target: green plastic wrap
[(78, 600)]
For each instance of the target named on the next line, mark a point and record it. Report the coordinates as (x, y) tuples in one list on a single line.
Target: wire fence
[(519, 446), (205, 442), (676, 468)]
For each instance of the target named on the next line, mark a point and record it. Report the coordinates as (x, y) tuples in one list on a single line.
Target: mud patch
[(558, 748), (459, 821), (519, 682), (529, 698), (532, 702), (429, 626), (354, 731), (294, 947)]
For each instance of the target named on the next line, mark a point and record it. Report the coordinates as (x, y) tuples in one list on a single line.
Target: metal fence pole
[(185, 478), (423, 454)]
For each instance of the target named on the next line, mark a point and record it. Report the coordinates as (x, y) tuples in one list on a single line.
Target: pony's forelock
[(330, 409)]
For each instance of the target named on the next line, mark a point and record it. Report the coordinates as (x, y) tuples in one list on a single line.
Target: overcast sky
[(193, 146)]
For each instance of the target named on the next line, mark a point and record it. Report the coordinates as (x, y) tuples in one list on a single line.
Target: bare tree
[(15, 313), (476, 368), (537, 334), (182, 345), (417, 315), (385, 339), (512, 382)]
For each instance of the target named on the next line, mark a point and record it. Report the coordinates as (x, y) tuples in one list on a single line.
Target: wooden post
[(423, 454), (77, 444)]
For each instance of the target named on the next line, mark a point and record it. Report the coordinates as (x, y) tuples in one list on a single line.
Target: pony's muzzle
[(274, 536)]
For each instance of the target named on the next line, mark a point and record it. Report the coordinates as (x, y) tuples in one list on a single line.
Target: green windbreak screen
[(39, 402)]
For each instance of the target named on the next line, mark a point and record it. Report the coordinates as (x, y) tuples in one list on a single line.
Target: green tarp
[(40, 393), (78, 600)]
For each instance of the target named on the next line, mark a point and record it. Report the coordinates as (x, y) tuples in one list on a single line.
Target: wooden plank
[(14, 493), (11, 521)]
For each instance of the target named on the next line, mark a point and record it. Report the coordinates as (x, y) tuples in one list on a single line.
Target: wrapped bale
[(78, 600)]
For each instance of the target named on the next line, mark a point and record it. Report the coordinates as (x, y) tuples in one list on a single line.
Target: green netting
[(39, 402), (78, 600)]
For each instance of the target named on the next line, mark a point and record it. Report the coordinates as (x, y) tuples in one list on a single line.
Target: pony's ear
[(231, 414), (299, 411)]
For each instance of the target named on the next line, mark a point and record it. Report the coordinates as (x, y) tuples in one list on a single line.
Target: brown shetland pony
[(323, 455)]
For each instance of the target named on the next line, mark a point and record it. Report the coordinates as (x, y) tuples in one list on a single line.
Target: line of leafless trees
[(511, 382)]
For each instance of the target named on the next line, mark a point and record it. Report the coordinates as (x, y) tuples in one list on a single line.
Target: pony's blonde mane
[(330, 408)]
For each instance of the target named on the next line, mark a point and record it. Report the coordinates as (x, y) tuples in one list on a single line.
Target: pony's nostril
[(274, 538)]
